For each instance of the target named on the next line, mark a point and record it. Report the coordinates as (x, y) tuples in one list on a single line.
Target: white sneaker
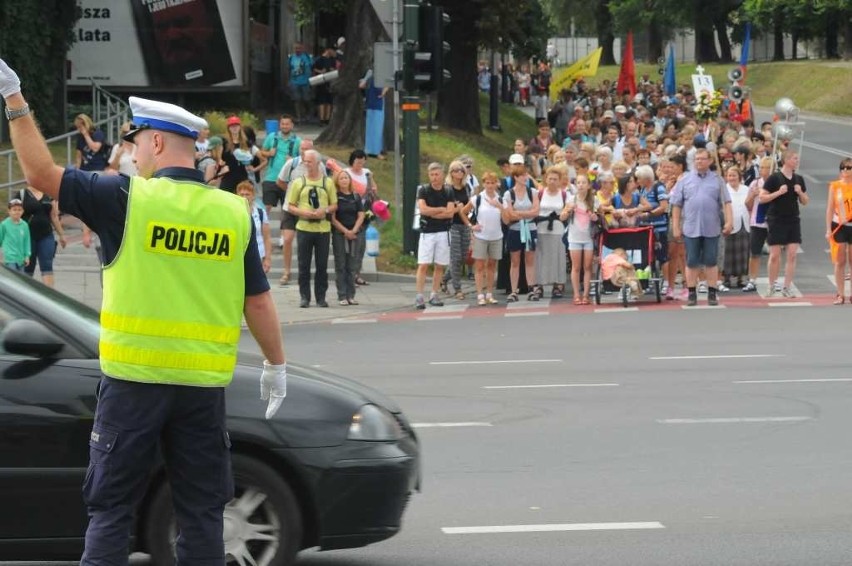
[(280, 243), (702, 286), (722, 288), (786, 293), (777, 287)]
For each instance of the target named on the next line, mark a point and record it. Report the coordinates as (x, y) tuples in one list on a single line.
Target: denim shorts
[(701, 251), (580, 246)]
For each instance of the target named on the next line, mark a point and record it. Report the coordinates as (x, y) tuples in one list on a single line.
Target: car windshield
[(51, 306)]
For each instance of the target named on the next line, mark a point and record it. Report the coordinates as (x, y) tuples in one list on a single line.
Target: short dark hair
[(356, 154), (286, 117), (502, 161)]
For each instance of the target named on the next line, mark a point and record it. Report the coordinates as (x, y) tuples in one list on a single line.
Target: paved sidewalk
[(78, 276)]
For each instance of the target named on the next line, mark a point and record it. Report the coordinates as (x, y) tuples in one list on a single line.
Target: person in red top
[(838, 226)]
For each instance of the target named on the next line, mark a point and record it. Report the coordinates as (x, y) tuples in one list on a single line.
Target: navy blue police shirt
[(101, 202)]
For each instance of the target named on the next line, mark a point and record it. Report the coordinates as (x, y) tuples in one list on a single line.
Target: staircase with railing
[(109, 112)]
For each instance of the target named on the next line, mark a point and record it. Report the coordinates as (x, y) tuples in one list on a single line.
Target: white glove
[(9, 82), (273, 386)]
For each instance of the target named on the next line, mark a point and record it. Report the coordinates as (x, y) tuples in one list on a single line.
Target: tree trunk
[(778, 33), (705, 37), (655, 41), (721, 25), (606, 37), (794, 41), (458, 100), (832, 32), (363, 28), (847, 34)]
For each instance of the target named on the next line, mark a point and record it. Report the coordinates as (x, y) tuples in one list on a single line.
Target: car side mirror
[(30, 338)]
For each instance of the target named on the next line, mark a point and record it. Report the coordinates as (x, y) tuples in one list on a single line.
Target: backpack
[(474, 212)]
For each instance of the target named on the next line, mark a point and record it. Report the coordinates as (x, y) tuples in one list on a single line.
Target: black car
[(333, 469)]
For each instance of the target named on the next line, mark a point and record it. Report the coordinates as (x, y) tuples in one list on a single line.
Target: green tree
[(35, 36)]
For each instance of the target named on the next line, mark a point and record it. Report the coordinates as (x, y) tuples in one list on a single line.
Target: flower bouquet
[(709, 104)]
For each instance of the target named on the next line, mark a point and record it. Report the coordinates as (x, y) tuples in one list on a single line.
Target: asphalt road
[(671, 438)]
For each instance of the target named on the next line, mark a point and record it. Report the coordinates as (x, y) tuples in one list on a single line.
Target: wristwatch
[(12, 114)]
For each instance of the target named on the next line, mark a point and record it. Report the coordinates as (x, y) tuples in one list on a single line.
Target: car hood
[(317, 411), (253, 364)]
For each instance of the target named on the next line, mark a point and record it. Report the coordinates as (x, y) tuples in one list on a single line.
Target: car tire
[(258, 488)]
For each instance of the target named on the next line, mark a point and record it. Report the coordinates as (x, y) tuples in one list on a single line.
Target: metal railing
[(109, 112)]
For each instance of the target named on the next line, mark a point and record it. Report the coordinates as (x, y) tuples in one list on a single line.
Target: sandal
[(284, 279), (352, 301), (512, 298), (585, 301), (360, 281), (557, 292), (491, 300), (840, 299), (459, 295), (444, 287), (539, 291), (578, 301), (533, 296)]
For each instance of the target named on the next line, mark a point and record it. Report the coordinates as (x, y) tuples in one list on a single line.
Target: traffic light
[(431, 56)]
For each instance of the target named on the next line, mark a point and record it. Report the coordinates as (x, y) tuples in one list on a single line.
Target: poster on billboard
[(167, 44)]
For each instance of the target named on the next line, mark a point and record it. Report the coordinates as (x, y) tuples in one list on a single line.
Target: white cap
[(341, 41), (608, 114), (154, 115), (620, 109), (516, 159)]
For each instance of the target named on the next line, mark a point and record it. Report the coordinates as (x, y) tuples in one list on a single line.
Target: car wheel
[(263, 523)]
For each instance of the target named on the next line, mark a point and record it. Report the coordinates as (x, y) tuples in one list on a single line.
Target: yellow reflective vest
[(173, 296)]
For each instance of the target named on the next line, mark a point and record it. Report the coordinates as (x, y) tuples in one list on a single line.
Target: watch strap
[(15, 113)]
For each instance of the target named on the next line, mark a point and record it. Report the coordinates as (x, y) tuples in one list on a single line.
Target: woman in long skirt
[(375, 104), (737, 242)]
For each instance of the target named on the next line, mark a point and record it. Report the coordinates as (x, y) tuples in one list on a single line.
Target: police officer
[(168, 342)]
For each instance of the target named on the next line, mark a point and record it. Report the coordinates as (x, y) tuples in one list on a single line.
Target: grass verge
[(816, 86)]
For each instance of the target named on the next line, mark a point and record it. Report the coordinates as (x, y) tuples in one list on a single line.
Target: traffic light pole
[(410, 127)]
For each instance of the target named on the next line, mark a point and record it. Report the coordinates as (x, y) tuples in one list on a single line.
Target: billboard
[(163, 44)]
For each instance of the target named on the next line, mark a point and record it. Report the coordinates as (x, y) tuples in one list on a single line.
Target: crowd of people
[(718, 192)]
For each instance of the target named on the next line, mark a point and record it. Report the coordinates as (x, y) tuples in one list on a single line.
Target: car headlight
[(373, 423)]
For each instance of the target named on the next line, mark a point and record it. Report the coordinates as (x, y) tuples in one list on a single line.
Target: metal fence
[(109, 112)]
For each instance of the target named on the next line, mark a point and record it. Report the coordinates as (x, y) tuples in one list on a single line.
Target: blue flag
[(669, 82), (746, 44)]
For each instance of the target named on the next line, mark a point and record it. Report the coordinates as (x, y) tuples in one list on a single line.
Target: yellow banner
[(585, 67)]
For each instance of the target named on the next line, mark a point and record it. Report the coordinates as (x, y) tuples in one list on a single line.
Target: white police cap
[(154, 115)]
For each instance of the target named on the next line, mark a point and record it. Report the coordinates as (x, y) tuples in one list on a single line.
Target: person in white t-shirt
[(487, 237)]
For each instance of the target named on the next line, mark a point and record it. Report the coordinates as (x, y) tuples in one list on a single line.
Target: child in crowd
[(15, 238), (620, 271), (260, 219)]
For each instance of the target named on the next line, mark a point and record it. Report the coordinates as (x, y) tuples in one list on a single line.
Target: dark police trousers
[(132, 421), (313, 245)]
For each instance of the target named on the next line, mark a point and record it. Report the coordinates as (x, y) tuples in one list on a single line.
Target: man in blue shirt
[(697, 201), (300, 65)]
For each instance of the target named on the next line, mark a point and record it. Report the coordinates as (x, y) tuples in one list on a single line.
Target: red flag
[(627, 74)]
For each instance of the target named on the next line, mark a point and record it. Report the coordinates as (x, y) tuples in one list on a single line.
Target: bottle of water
[(372, 238)]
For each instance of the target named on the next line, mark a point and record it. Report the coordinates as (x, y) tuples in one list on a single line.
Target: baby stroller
[(638, 242)]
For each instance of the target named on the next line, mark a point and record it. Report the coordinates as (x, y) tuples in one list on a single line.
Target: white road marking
[(818, 380), (613, 309), (449, 425), (717, 357), (734, 420), (552, 528), (439, 317), (704, 307), (354, 320), (551, 385), (825, 148), (527, 313), (792, 304), (481, 362)]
